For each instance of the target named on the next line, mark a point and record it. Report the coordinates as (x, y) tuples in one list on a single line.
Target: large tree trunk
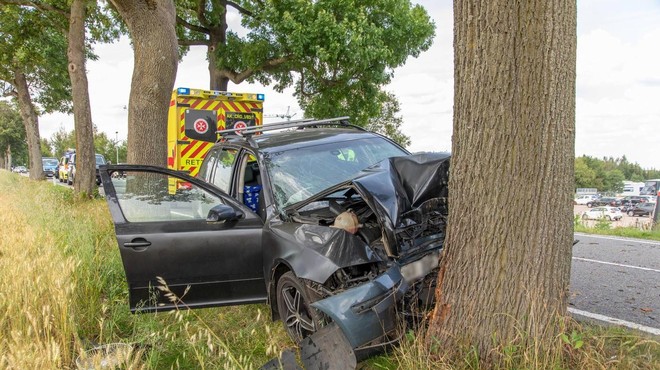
[(151, 25), (217, 37), (505, 269), (31, 122), (85, 177)]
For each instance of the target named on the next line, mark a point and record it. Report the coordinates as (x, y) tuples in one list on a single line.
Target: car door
[(174, 256)]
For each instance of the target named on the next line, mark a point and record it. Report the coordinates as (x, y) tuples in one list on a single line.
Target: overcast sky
[(618, 84)]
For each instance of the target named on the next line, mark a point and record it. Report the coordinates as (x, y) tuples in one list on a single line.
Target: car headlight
[(420, 268)]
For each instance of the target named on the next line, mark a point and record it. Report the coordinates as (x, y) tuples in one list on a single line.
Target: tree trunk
[(31, 122), (505, 269), (218, 81), (217, 36), (151, 25), (85, 178)]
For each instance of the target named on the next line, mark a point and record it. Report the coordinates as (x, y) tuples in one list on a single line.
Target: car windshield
[(300, 173), (50, 162), (100, 159)]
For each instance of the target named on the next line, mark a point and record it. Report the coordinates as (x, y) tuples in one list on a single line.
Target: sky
[(617, 96)]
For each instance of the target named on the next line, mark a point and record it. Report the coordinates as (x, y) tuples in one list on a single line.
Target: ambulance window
[(224, 165)]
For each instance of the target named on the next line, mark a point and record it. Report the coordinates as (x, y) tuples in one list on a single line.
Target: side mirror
[(222, 213)]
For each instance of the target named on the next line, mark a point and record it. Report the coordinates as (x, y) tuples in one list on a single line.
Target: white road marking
[(615, 321), (619, 239), (615, 264)]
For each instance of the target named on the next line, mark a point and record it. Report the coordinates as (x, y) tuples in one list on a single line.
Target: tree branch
[(194, 42), (237, 78), (190, 26), (239, 8), (200, 13), (37, 5)]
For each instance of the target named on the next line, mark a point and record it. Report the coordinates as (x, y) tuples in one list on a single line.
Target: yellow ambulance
[(194, 117)]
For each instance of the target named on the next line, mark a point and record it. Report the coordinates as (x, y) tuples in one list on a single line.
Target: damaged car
[(338, 229)]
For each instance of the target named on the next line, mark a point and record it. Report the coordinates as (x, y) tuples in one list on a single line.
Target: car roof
[(293, 139)]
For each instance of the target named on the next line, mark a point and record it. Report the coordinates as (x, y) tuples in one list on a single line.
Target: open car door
[(181, 235)]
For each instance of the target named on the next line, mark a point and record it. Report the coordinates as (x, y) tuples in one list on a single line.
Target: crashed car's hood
[(408, 194)]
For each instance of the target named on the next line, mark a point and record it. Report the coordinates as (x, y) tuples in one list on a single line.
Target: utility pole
[(117, 145)]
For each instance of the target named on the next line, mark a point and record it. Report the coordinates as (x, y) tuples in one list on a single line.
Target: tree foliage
[(336, 54), (388, 121), (12, 136), (63, 140), (35, 42), (607, 174)]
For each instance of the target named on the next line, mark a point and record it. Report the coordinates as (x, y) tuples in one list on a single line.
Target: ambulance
[(194, 117)]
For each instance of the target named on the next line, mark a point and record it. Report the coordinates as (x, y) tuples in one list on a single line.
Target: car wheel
[(590, 205), (69, 180), (608, 218), (584, 216), (631, 213), (293, 303)]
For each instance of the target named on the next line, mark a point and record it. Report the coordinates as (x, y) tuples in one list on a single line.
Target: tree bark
[(31, 122), (151, 25), (505, 269), (85, 178)]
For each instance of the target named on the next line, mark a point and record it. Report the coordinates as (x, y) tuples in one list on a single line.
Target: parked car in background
[(603, 213), (49, 165), (627, 206), (642, 209), (63, 166), (20, 169), (583, 199), (100, 161), (604, 201), (634, 199)]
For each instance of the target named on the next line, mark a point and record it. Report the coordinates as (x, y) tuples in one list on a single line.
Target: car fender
[(318, 251)]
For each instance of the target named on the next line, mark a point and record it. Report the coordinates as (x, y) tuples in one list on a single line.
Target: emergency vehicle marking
[(201, 126), (241, 125), (187, 154)]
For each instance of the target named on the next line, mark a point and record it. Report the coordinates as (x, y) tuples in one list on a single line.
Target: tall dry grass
[(37, 327), (63, 292)]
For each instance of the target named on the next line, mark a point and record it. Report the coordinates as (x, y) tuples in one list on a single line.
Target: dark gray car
[(339, 230)]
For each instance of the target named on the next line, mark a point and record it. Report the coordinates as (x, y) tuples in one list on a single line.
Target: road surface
[(617, 278)]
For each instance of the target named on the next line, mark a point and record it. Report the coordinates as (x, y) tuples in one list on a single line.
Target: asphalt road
[(618, 278)]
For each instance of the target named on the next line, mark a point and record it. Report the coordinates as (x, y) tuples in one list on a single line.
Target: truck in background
[(194, 117)]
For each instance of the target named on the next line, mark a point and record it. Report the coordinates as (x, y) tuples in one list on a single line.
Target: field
[(62, 294)]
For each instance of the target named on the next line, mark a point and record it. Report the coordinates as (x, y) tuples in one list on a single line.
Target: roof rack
[(301, 123)]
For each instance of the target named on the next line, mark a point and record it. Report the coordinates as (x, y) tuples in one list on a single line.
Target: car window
[(222, 168), (99, 159), (299, 173), (155, 197)]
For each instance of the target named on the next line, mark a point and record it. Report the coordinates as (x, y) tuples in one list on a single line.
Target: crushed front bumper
[(370, 311)]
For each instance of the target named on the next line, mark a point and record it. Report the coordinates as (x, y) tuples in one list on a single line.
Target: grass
[(62, 293), (604, 228)]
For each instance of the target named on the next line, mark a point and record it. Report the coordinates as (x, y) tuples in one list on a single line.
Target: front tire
[(631, 213), (293, 303)]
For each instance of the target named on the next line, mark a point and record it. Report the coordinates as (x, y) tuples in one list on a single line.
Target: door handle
[(137, 243)]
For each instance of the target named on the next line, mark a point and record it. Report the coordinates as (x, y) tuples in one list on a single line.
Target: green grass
[(604, 228), (63, 291)]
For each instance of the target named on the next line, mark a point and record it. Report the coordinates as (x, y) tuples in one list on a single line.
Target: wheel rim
[(297, 319)]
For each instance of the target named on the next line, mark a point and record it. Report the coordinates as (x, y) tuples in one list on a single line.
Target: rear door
[(172, 256)]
